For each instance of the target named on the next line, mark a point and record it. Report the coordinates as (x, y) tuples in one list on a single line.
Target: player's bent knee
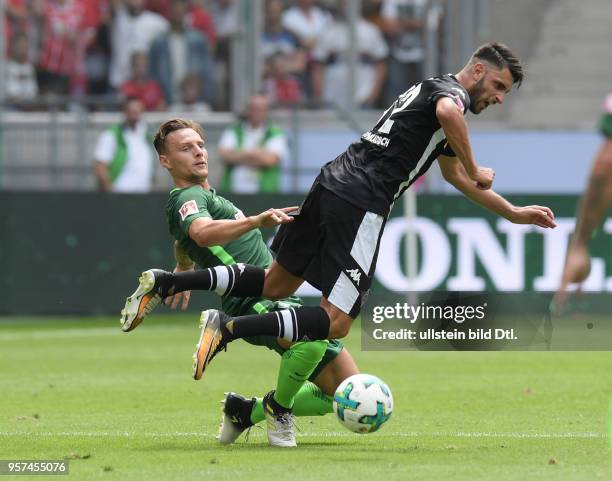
[(339, 322), (340, 327), (275, 293), (341, 367), (276, 289)]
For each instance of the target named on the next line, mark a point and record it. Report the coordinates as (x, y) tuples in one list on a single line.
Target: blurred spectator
[(225, 19), (180, 52), (123, 156), (282, 87), (161, 7), (64, 37), (306, 22), (17, 12), (141, 86), (252, 150), (197, 16), (133, 30), (34, 27), (190, 96), (16, 18), (98, 54), (371, 11), (224, 16), (96, 11), (330, 74), (21, 86), (277, 40), (403, 22)]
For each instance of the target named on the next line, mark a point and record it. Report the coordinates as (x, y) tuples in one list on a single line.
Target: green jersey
[(186, 205)]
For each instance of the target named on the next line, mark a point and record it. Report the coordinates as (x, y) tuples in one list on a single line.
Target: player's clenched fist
[(272, 217), (483, 177)]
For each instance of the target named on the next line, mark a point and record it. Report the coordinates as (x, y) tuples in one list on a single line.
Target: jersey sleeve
[(605, 122), (456, 94), (191, 205)]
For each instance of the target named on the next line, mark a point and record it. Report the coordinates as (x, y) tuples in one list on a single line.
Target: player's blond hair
[(159, 140)]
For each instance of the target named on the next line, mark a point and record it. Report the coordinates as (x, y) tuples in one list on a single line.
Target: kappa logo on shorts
[(354, 274), (188, 208), (240, 266)]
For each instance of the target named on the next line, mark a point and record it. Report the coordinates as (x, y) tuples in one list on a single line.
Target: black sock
[(239, 280), (302, 324), (271, 403)]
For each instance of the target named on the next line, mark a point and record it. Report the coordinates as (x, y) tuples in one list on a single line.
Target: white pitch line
[(72, 333), (61, 334), (512, 435)]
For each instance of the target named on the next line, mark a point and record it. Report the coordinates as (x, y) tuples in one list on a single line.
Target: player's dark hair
[(159, 140), (501, 56)]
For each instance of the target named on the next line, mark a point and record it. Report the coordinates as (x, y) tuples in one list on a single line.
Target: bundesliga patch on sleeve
[(188, 208)]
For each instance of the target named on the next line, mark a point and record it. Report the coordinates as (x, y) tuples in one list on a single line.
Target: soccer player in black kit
[(333, 242)]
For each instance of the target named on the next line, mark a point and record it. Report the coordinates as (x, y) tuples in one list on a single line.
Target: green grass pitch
[(124, 407)]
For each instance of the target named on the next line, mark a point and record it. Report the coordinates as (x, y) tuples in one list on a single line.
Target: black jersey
[(377, 169)]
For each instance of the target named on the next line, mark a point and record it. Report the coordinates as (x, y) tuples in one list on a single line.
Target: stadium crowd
[(175, 54)]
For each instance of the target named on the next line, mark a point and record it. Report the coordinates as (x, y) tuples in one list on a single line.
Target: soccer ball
[(363, 403)]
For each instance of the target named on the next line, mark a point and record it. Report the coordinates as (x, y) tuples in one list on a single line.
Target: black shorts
[(334, 246)]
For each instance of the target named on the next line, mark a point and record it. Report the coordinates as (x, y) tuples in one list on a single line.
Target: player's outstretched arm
[(207, 232), (591, 209), (455, 174), (597, 196), (455, 128)]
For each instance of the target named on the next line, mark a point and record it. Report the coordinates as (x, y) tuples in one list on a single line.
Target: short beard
[(476, 94), (198, 179)]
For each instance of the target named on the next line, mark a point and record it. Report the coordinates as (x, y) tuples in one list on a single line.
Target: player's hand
[(273, 217), (576, 270), (536, 215), (483, 177), (175, 300)]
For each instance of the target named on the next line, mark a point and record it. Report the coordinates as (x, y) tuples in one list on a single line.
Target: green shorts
[(334, 346)]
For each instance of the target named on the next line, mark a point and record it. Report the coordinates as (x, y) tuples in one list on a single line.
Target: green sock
[(297, 364), (309, 401)]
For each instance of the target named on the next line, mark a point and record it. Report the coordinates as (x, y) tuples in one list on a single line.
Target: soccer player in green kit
[(210, 231)]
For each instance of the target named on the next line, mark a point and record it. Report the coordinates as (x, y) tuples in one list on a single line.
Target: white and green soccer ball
[(363, 403)]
